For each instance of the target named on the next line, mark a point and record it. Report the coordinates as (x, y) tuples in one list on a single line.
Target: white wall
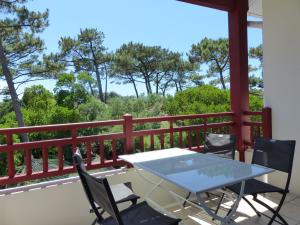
[(66, 204), (281, 35)]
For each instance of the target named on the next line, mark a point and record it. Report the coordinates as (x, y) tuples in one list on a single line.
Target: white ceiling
[(255, 8)]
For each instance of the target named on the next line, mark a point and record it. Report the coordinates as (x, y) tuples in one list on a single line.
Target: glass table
[(196, 173)]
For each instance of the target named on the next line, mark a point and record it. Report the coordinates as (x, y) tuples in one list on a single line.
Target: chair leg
[(252, 206), (219, 204), (133, 201), (95, 221), (186, 198), (275, 212)]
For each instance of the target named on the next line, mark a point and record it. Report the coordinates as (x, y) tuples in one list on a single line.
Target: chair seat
[(122, 193), (142, 214), (254, 186)]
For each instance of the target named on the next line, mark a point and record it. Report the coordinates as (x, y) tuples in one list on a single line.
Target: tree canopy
[(214, 53), (21, 49)]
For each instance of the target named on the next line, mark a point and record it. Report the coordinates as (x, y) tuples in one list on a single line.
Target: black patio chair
[(277, 155), (222, 145), (99, 193), (122, 192)]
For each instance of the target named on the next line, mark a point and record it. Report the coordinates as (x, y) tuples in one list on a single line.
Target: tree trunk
[(176, 85), (180, 86), (157, 83), (12, 91), (98, 76), (106, 78), (135, 89), (149, 86), (146, 84), (222, 80), (91, 88), (164, 91), (99, 83)]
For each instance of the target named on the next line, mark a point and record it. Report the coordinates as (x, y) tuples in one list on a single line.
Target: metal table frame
[(138, 168)]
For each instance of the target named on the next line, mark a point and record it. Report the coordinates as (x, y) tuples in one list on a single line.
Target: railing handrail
[(60, 127), (80, 125), (181, 117), (253, 113)]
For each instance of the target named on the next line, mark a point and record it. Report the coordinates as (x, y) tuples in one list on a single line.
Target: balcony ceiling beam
[(225, 5)]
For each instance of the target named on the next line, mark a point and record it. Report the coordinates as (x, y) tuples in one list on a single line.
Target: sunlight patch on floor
[(244, 215)]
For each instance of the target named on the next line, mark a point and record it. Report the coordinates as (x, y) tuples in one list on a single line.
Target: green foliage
[(138, 107), (152, 65), (3, 164), (38, 97), (94, 109), (215, 54), (135, 62), (21, 50), (87, 55), (69, 93), (198, 100), (257, 53), (256, 83), (204, 99)]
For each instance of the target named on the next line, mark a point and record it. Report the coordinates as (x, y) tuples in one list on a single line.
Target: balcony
[(62, 201)]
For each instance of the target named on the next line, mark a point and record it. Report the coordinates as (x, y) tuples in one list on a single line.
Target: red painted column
[(267, 122), (238, 52)]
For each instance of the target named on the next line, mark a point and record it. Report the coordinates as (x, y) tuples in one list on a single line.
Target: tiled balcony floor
[(245, 215)]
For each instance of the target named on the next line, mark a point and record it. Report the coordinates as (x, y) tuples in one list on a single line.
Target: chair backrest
[(275, 154), (220, 144), (97, 191)]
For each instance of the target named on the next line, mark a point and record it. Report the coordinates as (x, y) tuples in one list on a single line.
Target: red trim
[(128, 129), (254, 113), (260, 125), (238, 53), (267, 122), (45, 158), (59, 127), (254, 124), (225, 5), (181, 117)]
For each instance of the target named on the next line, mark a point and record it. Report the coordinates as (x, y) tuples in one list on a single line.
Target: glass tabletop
[(195, 172)]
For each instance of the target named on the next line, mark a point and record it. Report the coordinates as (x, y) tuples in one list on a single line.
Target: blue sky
[(169, 23)]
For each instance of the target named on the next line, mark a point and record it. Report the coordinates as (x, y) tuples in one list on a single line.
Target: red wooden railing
[(136, 135), (260, 124)]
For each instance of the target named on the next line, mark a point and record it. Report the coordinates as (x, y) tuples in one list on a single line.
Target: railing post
[(10, 156), (74, 137), (267, 122), (128, 131)]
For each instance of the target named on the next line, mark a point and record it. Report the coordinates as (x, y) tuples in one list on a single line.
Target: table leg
[(179, 199), (227, 218)]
